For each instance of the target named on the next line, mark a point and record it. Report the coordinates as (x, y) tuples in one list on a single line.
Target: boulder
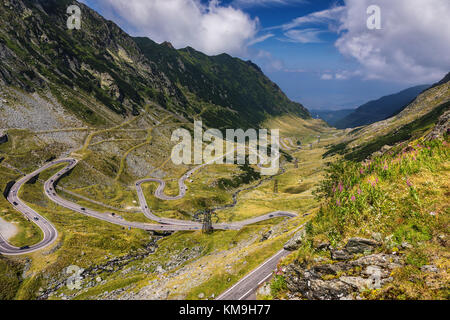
[(358, 283), (360, 245), (429, 268), (266, 236), (328, 269), (264, 290), (295, 242), (379, 260), (323, 246), (340, 255)]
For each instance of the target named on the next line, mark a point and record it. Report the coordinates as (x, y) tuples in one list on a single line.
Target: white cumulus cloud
[(412, 46), (211, 28)]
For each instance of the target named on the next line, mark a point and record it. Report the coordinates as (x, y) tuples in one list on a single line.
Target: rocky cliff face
[(343, 280), (39, 53), (441, 128), (222, 82)]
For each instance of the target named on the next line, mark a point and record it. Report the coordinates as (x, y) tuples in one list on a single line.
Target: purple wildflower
[(408, 183)]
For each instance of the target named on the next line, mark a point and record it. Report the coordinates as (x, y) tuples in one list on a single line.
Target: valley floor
[(130, 264)]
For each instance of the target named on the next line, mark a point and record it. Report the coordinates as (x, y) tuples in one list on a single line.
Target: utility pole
[(207, 223), (275, 186)]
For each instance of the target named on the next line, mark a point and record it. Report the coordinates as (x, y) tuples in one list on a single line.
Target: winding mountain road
[(50, 233)]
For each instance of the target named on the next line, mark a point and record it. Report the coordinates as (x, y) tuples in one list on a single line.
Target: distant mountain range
[(426, 115), (380, 109)]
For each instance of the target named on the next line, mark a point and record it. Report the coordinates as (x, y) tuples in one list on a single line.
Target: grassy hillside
[(398, 199), (382, 228)]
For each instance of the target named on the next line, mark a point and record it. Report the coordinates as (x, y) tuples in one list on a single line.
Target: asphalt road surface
[(50, 233), (245, 289), (247, 286)]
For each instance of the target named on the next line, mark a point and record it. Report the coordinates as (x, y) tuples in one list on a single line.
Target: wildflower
[(408, 183), (340, 187), (353, 198), (279, 271), (338, 203), (359, 191)]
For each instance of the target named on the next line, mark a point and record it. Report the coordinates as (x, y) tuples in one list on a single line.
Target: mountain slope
[(414, 121), (40, 54), (380, 109), (332, 117), (222, 81), (385, 200)]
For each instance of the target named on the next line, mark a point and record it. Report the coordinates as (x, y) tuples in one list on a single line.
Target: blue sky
[(319, 52)]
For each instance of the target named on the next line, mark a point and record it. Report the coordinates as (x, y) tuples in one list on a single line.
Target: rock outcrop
[(342, 277), (360, 245), (442, 126), (295, 242), (340, 280)]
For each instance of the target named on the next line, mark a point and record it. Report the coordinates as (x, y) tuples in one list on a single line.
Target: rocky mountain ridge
[(123, 74)]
